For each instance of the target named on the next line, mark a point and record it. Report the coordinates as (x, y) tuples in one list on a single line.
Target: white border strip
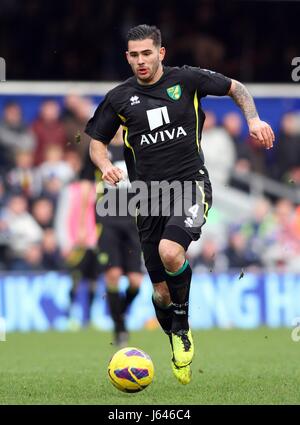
[(101, 88), (274, 90), (55, 88)]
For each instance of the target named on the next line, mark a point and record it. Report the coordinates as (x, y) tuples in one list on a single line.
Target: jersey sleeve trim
[(96, 136)]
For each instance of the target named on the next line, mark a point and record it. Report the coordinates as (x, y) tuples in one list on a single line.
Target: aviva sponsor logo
[(156, 118), (162, 136)]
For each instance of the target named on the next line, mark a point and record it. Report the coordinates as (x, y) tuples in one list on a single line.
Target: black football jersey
[(162, 122)]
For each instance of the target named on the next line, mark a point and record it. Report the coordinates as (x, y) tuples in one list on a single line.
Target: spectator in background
[(259, 229), (250, 156), (54, 166), (219, 150), (71, 105), (23, 178), (23, 231), (74, 160), (14, 136), (42, 211), (48, 129), (288, 149), (210, 258), (76, 113), (284, 216), (54, 173), (284, 253), (238, 253), (232, 123)]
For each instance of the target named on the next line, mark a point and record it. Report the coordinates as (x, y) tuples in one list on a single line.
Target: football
[(130, 370)]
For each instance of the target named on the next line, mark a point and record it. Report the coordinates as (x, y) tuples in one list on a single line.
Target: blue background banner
[(270, 109), (39, 302)]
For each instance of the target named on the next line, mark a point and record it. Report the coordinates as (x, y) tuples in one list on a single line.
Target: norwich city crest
[(174, 92)]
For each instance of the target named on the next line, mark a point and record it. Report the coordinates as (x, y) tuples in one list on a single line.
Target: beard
[(149, 76)]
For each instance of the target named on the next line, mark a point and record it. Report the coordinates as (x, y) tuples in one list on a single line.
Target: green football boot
[(183, 348)]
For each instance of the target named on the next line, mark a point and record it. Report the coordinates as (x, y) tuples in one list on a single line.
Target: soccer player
[(78, 235), (119, 250), (160, 110)]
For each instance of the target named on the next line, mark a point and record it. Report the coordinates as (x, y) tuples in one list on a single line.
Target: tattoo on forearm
[(244, 100)]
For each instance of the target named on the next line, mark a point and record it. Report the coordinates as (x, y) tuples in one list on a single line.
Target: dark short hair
[(141, 32)]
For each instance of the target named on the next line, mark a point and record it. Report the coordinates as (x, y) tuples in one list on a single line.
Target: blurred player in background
[(105, 244), (120, 251), (78, 234), (160, 110)]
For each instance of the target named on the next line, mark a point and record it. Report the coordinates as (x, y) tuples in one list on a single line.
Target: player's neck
[(157, 76)]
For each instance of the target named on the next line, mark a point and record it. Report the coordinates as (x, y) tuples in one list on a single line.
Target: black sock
[(164, 316), (72, 295), (115, 306), (91, 297), (76, 277), (130, 295), (179, 287)]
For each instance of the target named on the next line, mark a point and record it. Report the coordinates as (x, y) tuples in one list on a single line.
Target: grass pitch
[(230, 367)]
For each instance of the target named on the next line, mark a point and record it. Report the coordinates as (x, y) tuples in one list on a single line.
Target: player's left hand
[(261, 131)]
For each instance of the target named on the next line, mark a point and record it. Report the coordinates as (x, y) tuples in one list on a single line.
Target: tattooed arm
[(258, 129)]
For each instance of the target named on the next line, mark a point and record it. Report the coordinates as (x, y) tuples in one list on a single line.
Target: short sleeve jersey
[(162, 122)]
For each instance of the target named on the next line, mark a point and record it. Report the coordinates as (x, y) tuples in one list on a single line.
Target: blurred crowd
[(38, 161), (268, 241), (243, 154), (85, 40)]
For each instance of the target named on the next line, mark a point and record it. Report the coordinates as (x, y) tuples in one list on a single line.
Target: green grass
[(230, 367)]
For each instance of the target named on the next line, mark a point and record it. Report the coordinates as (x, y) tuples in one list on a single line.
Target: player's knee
[(171, 254), (135, 279), (113, 275)]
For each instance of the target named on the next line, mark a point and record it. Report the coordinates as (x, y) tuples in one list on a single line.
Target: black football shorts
[(179, 220), (119, 244), (83, 262)]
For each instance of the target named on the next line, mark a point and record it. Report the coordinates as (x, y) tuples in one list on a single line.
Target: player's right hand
[(112, 175), (261, 131)]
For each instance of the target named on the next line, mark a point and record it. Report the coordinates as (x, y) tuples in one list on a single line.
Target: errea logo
[(134, 100)]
